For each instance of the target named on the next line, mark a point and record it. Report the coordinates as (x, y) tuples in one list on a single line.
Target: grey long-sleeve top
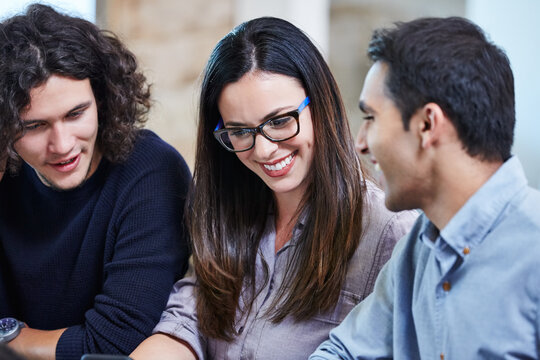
[(259, 338)]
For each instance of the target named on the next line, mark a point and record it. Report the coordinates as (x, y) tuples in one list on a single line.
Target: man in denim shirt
[(465, 282)]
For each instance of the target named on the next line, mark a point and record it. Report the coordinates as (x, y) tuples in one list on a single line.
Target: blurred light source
[(520, 43), (81, 8)]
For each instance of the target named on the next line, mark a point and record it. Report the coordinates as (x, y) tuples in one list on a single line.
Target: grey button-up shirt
[(259, 338)]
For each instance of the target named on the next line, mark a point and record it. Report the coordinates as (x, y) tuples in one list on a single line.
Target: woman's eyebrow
[(266, 117)]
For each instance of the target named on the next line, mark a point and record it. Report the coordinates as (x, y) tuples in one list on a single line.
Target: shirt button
[(466, 250), (446, 286)]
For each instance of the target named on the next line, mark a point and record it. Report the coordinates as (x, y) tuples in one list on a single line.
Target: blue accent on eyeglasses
[(303, 104), (219, 124), (300, 108)]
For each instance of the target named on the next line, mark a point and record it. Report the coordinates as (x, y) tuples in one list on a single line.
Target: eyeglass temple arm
[(219, 124), (303, 104)]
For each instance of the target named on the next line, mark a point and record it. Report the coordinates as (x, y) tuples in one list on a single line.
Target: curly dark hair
[(43, 42)]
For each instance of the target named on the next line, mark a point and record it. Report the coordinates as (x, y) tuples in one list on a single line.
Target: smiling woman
[(287, 234), (250, 101)]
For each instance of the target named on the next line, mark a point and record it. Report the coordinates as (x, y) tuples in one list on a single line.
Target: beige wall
[(351, 25), (173, 39), (312, 16)]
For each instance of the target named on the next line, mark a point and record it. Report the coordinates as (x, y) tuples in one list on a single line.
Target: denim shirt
[(470, 291), (259, 338)]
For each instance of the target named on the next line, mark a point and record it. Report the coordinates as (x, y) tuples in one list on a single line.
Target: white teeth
[(377, 167), (67, 161), (280, 165)]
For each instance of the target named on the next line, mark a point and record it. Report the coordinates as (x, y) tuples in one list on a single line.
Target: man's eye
[(75, 114), (32, 126)]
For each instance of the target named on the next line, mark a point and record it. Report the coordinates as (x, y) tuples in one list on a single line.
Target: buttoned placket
[(447, 261), (254, 325)]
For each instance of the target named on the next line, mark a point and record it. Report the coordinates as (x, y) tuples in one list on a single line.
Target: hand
[(36, 344)]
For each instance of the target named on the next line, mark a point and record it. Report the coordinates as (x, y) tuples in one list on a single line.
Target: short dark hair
[(449, 61), (42, 42)]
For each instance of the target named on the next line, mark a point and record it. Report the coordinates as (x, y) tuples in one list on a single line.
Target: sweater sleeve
[(145, 252)]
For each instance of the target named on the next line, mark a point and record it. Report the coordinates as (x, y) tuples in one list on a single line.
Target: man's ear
[(431, 124)]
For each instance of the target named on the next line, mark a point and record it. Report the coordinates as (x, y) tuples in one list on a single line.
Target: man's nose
[(61, 141), (361, 143)]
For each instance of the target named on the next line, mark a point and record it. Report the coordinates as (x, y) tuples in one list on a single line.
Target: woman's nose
[(263, 147)]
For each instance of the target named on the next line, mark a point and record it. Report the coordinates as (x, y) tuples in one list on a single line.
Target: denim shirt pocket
[(347, 300)]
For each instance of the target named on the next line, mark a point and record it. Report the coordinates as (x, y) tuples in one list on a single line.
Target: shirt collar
[(270, 232), (470, 225), (297, 230)]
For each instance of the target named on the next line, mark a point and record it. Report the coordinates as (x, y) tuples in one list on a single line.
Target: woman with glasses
[(287, 235)]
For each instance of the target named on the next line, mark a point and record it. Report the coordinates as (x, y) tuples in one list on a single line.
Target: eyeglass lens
[(278, 129)]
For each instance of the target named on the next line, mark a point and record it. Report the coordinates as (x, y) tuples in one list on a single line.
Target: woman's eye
[(280, 122), (369, 117), (238, 132)]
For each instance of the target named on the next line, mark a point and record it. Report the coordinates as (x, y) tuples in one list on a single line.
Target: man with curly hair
[(91, 205)]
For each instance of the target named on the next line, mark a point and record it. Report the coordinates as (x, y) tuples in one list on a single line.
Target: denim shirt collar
[(470, 225)]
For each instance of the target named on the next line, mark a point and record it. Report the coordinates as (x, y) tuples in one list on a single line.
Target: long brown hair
[(229, 204)]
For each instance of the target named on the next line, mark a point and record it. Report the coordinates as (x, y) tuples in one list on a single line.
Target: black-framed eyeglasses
[(279, 128)]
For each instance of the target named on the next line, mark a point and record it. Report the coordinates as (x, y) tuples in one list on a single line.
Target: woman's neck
[(285, 218)]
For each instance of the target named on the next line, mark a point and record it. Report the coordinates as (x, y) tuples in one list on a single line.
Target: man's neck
[(456, 182)]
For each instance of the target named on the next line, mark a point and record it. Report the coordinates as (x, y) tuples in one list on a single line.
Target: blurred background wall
[(173, 39)]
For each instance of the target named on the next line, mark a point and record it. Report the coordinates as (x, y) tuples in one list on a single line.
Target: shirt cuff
[(183, 331)]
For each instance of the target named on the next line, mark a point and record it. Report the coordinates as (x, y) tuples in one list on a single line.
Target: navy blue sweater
[(100, 259)]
